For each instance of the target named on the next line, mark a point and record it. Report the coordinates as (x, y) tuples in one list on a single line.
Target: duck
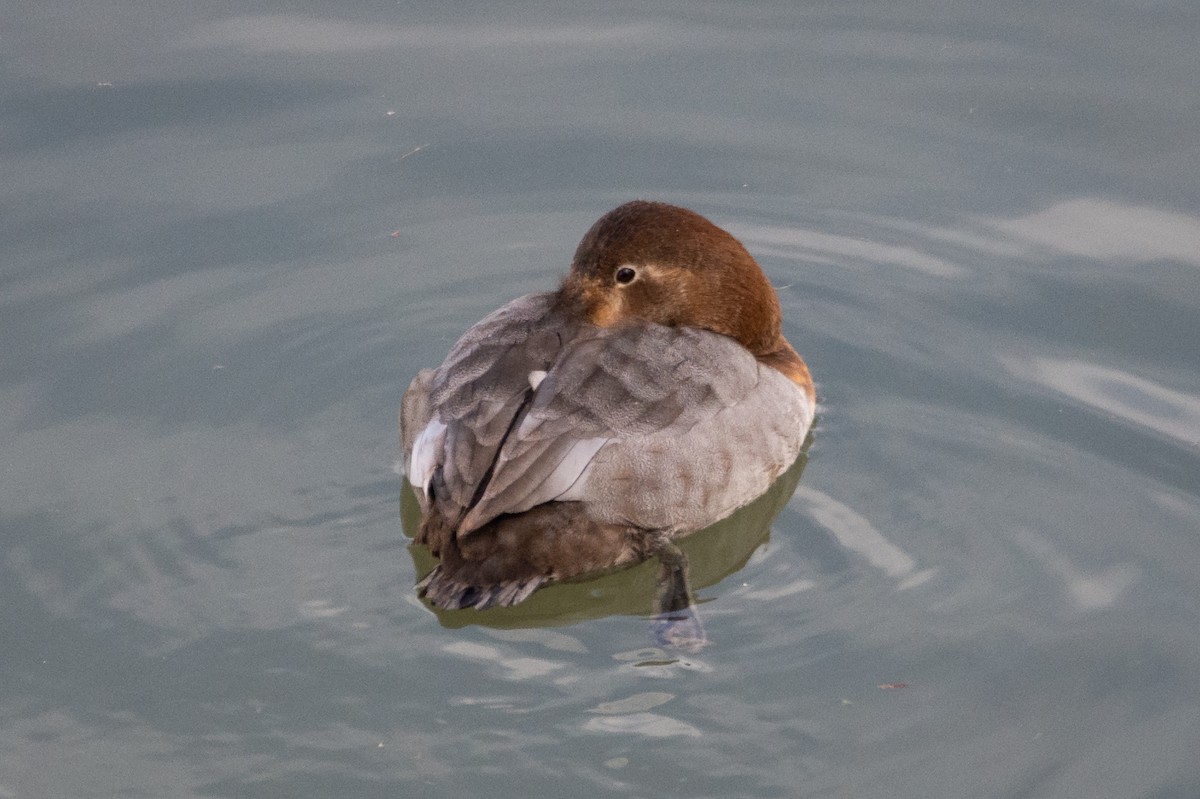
[(591, 427)]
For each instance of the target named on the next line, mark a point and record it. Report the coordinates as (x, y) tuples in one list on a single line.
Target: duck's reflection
[(662, 587)]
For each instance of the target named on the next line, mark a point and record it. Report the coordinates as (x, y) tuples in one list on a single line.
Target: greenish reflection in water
[(713, 554)]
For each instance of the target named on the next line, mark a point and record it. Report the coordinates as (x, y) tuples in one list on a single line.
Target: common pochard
[(587, 428)]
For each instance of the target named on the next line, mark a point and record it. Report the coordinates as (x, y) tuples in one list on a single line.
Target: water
[(231, 237)]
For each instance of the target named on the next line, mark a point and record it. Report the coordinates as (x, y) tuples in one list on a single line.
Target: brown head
[(664, 264)]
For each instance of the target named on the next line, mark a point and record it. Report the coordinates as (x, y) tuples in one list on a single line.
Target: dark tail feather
[(512, 556), (448, 593)]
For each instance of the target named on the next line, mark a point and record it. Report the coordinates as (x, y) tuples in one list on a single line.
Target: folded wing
[(533, 410)]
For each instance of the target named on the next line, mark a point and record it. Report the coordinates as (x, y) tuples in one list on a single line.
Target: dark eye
[(626, 274)]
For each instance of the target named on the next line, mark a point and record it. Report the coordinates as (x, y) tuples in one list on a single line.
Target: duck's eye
[(625, 275)]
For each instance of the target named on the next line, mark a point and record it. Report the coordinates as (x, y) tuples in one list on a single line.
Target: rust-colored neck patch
[(789, 363)]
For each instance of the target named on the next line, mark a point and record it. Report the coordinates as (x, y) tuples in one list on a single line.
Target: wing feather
[(530, 406), (606, 387)]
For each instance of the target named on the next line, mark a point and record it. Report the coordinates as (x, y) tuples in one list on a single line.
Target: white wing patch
[(568, 479), (536, 377), (426, 452)]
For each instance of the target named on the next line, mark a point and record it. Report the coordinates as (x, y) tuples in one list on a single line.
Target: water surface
[(232, 236)]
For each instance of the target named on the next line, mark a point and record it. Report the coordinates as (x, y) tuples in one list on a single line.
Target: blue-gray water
[(231, 234)]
